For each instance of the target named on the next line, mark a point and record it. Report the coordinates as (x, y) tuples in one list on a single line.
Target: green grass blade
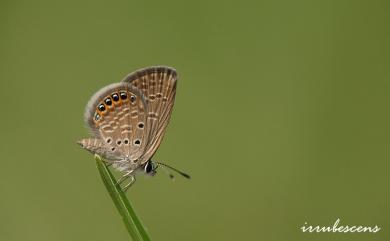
[(130, 219)]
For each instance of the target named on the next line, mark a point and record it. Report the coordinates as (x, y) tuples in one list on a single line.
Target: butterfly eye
[(132, 98), (149, 167), (137, 142), (115, 97), (97, 117), (140, 125)]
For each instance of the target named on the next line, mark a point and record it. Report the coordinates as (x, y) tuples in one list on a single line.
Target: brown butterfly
[(128, 120)]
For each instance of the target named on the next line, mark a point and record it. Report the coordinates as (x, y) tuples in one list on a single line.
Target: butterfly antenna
[(167, 172), (174, 169)]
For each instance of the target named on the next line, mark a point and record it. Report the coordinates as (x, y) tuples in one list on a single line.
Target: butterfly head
[(149, 168)]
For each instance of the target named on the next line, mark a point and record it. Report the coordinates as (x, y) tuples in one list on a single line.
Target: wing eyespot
[(115, 97), (108, 101), (101, 107), (123, 95), (97, 117)]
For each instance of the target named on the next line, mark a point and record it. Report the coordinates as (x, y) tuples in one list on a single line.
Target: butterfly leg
[(123, 178), (132, 181), (108, 164)]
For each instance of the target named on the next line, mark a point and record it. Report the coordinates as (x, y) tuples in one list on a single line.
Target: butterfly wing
[(116, 116), (158, 86)]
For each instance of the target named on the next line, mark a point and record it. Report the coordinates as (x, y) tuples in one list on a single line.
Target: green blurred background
[(281, 117)]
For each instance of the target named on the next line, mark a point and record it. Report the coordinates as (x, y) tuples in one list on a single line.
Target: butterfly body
[(128, 119)]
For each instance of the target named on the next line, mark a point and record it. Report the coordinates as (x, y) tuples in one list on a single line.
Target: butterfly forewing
[(116, 114), (158, 87)]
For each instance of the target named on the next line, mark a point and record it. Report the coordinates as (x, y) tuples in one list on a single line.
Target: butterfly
[(128, 121)]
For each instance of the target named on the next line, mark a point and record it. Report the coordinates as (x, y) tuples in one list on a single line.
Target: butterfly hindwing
[(116, 115)]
